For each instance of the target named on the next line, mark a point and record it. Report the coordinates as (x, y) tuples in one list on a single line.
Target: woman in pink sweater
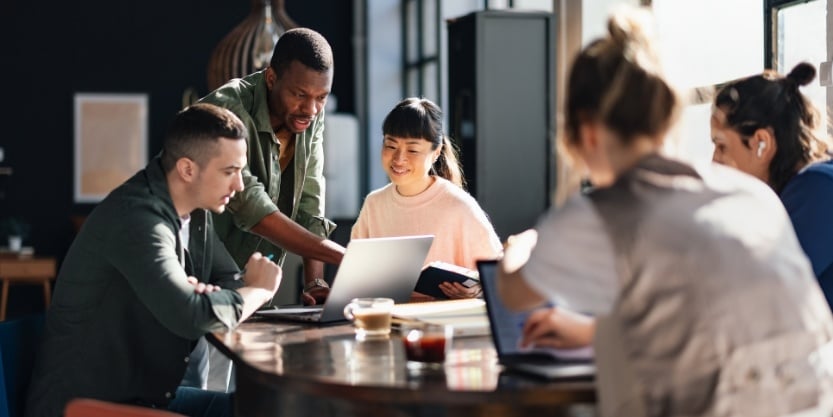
[(426, 195)]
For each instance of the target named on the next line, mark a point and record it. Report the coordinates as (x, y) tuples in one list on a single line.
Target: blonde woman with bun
[(693, 289)]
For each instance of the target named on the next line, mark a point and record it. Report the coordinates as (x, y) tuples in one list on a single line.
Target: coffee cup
[(370, 316), (426, 344)]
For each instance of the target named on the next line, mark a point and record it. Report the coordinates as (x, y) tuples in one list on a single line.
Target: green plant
[(14, 226)]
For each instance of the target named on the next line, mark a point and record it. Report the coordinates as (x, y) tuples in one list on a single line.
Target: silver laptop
[(377, 267), (507, 330)]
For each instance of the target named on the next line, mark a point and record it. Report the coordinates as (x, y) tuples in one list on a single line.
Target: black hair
[(420, 118), (770, 101), (305, 46)]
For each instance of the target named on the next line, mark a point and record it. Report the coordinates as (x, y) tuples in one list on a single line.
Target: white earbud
[(761, 147)]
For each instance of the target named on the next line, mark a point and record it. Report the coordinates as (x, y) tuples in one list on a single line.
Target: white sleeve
[(573, 264)]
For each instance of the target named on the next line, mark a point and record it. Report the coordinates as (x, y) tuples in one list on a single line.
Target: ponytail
[(447, 164)]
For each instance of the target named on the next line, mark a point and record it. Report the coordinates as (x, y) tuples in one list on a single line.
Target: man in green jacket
[(147, 276), (282, 206)]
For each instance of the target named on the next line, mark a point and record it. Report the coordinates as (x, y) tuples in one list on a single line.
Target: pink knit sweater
[(462, 231)]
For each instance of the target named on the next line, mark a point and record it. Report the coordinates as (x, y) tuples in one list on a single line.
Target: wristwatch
[(315, 283)]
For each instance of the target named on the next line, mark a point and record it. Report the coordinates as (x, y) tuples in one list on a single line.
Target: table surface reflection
[(329, 362)]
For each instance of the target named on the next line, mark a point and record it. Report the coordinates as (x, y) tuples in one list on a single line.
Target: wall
[(53, 49)]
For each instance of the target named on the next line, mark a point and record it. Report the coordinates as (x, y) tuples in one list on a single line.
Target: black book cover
[(438, 272)]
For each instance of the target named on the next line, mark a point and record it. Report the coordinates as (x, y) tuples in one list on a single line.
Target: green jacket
[(123, 318), (246, 97)]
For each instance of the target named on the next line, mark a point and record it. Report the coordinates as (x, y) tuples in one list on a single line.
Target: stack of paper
[(467, 316)]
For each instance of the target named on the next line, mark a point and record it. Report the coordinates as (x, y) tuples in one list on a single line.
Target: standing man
[(282, 206), (147, 276)]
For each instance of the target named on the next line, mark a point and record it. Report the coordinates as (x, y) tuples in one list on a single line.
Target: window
[(799, 34), (420, 23), (706, 43), (741, 40)]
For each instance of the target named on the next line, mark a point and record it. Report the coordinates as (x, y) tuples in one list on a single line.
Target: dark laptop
[(378, 267), (507, 329)]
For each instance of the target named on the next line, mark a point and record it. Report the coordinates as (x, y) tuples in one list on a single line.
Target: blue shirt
[(808, 198)]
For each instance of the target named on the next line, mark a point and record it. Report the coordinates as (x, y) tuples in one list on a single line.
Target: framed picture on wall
[(110, 142)]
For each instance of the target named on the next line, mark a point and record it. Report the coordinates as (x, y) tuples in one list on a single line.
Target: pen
[(242, 272)]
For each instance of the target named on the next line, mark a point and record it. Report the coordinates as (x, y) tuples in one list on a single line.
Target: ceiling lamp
[(248, 47)]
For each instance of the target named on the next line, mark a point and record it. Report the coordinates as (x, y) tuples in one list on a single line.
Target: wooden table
[(27, 270), (292, 370)]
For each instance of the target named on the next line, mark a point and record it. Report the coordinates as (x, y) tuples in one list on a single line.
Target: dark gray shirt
[(124, 319)]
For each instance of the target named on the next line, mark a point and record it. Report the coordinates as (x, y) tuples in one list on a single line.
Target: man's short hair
[(195, 131), (305, 46)]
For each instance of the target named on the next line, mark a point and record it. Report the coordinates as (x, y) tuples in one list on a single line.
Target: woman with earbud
[(764, 126), (426, 196)]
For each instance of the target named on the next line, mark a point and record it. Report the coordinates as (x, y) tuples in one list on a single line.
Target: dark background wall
[(53, 49)]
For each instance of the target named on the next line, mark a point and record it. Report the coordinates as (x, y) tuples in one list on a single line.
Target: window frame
[(771, 8), (422, 59)]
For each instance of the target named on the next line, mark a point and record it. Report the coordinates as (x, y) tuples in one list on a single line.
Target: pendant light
[(248, 47)]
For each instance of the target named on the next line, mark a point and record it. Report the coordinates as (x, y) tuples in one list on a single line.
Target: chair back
[(19, 343), (85, 407)]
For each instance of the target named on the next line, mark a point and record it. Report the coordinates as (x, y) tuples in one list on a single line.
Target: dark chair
[(19, 342)]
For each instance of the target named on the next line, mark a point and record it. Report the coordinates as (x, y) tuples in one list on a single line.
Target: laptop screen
[(507, 326), (375, 267)]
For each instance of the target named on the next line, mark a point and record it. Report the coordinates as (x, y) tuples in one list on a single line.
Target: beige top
[(462, 231)]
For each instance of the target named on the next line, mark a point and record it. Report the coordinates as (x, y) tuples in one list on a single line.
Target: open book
[(438, 272)]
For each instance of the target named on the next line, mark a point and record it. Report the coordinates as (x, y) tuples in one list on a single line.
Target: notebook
[(467, 316), (438, 272), (507, 328), (377, 267)]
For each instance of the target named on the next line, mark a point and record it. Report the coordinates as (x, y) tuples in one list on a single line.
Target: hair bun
[(631, 35), (631, 25), (802, 74)]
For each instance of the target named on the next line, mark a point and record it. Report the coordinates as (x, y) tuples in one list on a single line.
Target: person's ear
[(588, 136), (764, 145), (186, 169), (271, 77)]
